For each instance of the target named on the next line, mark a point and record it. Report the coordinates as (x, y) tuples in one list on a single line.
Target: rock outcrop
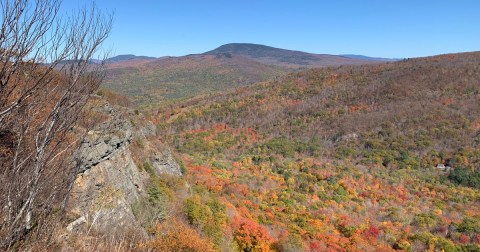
[(109, 181), (103, 195), (107, 138), (110, 184), (164, 163)]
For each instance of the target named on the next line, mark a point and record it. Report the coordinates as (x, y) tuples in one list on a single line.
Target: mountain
[(117, 59), (150, 81), (285, 58), (337, 159), (127, 57), (363, 57)]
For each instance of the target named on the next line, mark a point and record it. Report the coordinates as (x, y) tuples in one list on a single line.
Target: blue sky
[(382, 28)]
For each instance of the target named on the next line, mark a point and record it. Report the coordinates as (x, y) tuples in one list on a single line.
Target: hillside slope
[(285, 58), (173, 78), (338, 158), (151, 80)]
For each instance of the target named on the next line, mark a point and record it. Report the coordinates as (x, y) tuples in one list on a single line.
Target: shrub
[(250, 236), (139, 142), (289, 243), (344, 152), (347, 231), (148, 212), (425, 220), (465, 177), (432, 241), (177, 237), (148, 168), (209, 217), (281, 145), (469, 226), (197, 213)]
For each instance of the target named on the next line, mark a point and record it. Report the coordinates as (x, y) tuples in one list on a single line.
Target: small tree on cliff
[(46, 77)]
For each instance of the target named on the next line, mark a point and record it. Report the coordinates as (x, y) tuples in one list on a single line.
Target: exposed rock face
[(146, 131), (102, 195), (109, 181), (107, 138), (164, 163)]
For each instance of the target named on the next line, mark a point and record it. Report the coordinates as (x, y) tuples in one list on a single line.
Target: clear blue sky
[(382, 28)]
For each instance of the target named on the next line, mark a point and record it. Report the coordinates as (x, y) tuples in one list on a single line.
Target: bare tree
[(46, 77)]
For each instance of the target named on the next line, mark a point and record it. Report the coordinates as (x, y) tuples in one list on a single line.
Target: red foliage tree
[(250, 236)]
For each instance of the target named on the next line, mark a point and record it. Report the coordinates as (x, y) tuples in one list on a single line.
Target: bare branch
[(46, 77)]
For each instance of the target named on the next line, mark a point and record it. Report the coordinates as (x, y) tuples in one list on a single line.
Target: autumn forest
[(244, 147), (342, 158)]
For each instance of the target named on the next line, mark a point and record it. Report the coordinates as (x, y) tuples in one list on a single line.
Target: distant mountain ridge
[(356, 56), (272, 55), (125, 57), (149, 80), (288, 58)]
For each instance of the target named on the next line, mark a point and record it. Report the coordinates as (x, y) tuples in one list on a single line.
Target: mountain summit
[(285, 58), (254, 50)]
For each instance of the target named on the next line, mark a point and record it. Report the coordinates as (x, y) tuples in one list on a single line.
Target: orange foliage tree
[(176, 236), (250, 236)]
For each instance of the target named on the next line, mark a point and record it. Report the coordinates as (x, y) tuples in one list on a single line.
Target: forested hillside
[(339, 158), (288, 58), (149, 81), (246, 147)]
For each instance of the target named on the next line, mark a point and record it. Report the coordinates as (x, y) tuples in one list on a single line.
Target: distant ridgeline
[(151, 80)]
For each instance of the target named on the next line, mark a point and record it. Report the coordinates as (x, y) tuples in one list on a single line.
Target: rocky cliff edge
[(110, 180)]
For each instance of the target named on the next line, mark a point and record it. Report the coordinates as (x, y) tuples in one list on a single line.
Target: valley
[(339, 158), (336, 126)]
